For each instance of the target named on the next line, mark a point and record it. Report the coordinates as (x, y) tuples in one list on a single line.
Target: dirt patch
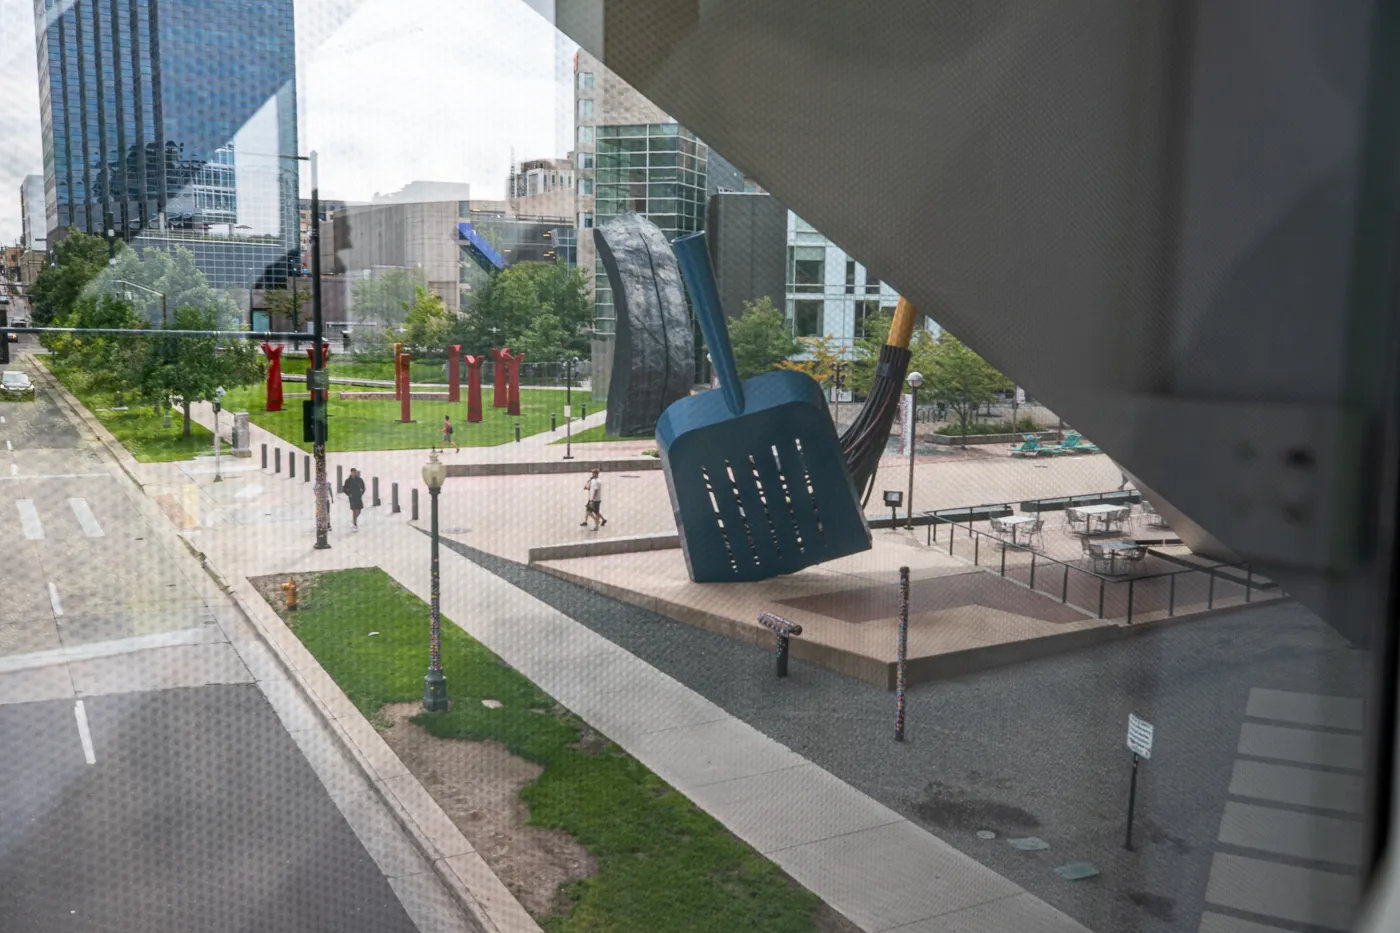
[(954, 808), (478, 786)]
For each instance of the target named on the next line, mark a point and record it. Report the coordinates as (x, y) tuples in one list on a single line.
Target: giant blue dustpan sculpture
[(755, 470)]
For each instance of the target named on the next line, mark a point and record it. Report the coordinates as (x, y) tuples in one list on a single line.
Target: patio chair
[(1078, 524), (1154, 518), (1030, 447), (1036, 531)]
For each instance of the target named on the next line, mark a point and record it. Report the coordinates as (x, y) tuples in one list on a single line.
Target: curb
[(485, 901)]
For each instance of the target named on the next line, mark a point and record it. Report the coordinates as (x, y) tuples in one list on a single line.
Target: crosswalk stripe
[(1287, 832), (1301, 746), (1269, 889), (86, 520), (1299, 786), (1219, 923), (1305, 709), (29, 519)]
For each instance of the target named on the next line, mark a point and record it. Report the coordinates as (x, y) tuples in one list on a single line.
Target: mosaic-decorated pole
[(454, 373), (501, 377), (274, 376), (474, 364), (901, 654)]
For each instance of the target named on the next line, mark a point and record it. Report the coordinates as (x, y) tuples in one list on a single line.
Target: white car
[(15, 384)]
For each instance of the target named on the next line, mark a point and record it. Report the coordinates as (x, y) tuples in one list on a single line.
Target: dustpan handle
[(694, 259)]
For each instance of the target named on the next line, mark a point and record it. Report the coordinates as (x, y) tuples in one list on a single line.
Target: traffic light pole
[(318, 374)]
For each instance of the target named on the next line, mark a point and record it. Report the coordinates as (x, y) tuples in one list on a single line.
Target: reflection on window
[(585, 186), (585, 80), (585, 107), (585, 220), (585, 134), (806, 318), (585, 160)]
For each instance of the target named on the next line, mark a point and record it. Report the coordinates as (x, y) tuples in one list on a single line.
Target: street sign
[(568, 412), (1139, 737)]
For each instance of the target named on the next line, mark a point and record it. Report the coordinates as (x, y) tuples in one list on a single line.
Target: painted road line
[(61, 476), (29, 519), (1287, 892), (109, 649), (1302, 746), (1305, 709), (1300, 787), (84, 734), (1287, 832), (54, 600), (86, 520)]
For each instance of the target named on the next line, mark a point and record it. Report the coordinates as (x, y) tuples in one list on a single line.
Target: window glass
[(806, 318), (585, 107), (585, 80), (585, 186), (585, 160), (585, 135)]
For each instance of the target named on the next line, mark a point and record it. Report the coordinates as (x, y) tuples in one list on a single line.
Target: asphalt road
[(196, 810), (198, 813), (1038, 749)]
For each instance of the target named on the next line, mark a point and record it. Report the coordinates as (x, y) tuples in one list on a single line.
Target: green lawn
[(598, 434), (139, 429), (360, 369), (373, 424), (664, 866)]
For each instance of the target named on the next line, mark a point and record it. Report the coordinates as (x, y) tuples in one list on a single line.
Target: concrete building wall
[(364, 239), (747, 236)]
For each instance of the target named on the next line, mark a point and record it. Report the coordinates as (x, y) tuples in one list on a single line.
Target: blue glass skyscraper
[(163, 121)]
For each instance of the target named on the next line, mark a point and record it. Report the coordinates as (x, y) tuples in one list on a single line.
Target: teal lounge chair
[(1030, 447)]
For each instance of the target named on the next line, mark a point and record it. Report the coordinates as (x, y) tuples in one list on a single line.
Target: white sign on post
[(906, 423), (568, 412), (1139, 737)]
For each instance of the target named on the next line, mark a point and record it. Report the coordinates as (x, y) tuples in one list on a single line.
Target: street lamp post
[(318, 374), (435, 683), (915, 380)]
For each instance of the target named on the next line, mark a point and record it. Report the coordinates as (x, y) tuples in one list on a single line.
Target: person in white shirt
[(593, 508)]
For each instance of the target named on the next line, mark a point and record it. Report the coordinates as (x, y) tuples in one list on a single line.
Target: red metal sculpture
[(501, 375), (398, 354), (274, 376), (474, 364), (513, 390), (404, 390), (454, 373)]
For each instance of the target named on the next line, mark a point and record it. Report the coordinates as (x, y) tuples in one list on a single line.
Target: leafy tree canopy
[(388, 297), (761, 338), (540, 308), (79, 258)]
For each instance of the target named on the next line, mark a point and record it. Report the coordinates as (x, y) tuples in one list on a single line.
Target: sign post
[(1140, 744)]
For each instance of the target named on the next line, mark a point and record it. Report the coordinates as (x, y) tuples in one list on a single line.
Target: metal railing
[(1136, 597)]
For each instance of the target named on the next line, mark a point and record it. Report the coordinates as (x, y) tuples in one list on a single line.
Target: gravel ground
[(1034, 749)]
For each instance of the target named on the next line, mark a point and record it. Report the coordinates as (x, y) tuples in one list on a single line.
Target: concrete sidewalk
[(865, 860)]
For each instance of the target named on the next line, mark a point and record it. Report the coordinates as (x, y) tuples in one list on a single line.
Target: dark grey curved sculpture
[(654, 349)]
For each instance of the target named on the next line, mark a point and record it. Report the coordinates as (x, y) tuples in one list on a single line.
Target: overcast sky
[(390, 91)]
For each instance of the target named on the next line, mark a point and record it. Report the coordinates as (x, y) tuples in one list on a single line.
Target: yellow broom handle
[(902, 329)]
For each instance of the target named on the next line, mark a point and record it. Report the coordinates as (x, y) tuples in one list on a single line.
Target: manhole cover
[(1029, 844), (1076, 871), (986, 834)]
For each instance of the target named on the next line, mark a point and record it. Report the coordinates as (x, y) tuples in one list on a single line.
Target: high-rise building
[(35, 230), (167, 121)]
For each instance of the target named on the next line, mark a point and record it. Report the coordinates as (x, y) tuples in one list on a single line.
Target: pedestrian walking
[(447, 434), (354, 490), (593, 507), (1122, 476)]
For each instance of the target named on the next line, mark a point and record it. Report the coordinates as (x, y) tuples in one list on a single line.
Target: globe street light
[(435, 684), (915, 380)]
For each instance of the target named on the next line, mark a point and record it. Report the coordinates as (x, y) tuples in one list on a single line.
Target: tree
[(172, 273), (956, 375), (540, 308), (426, 322), (109, 363), (866, 352), (821, 359), (78, 259), (189, 369), (388, 297), (287, 303), (761, 338)]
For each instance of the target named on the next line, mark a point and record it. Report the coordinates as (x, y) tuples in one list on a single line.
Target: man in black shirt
[(355, 492)]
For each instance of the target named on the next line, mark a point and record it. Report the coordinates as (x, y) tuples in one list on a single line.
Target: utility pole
[(318, 374)]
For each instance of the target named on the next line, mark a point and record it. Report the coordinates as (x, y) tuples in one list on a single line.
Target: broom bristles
[(863, 443)]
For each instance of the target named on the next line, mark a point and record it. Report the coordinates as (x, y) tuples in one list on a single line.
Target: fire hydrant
[(290, 590)]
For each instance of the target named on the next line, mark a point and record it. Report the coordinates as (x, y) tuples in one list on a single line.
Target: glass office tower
[(163, 121)]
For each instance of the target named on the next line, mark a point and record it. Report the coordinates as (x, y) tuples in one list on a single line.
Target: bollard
[(339, 479), (374, 492), (394, 499), (277, 460), (585, 411), (517, 432), (784, 629), (306, 468), (901, 654), (413, 499), (264, 456), (291, 465), (553, 425), (289, 590)]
